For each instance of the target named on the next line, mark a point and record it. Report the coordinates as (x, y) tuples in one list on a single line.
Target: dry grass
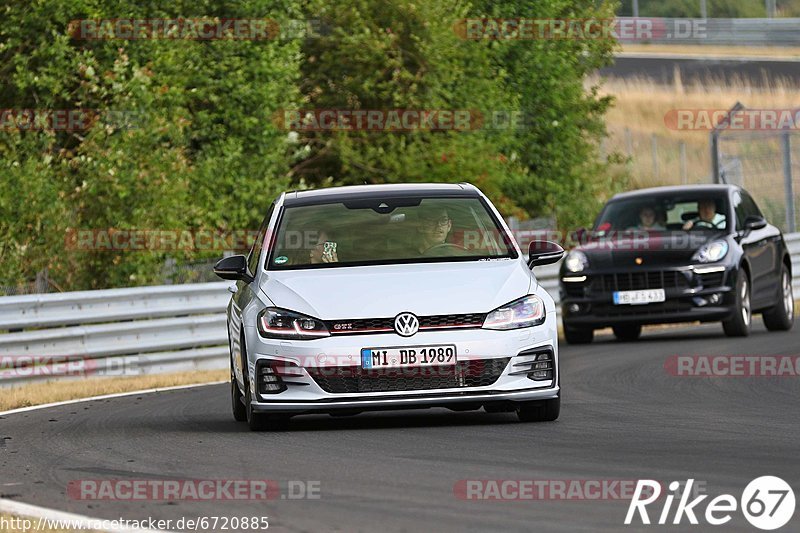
[(638, 116), (40, 393), (713, 50)]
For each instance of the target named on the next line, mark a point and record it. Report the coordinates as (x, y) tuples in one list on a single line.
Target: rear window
[(394, 231)]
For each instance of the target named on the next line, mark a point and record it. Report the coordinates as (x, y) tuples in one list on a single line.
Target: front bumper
[(410, 401), (304, 393), (689, 297)]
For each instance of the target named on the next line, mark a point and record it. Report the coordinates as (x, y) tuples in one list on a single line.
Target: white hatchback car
[(384, 297)]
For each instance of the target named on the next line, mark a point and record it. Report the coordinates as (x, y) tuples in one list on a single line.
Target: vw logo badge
[(406, 324)]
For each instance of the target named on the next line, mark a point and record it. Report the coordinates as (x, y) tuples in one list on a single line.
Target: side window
[(738, 205), (750, 206), (258, 244), (745, 207)]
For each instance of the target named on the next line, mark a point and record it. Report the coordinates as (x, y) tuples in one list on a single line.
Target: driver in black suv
[(708, 216)]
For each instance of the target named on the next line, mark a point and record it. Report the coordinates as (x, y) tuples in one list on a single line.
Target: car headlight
[(277, 323), (576, 261), (522, 313), (713, 251)]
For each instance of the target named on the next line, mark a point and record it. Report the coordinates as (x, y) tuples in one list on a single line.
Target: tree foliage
[(199, 146)]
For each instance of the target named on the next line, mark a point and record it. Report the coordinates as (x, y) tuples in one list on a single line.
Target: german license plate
[(408, 356), (639, 297)]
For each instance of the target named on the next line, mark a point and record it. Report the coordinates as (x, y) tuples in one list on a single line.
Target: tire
[(539, 410), (578, 335), (781, 316), (237, 403), (627, 332), (739, 324)]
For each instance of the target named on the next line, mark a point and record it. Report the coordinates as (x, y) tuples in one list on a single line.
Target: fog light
[(544, 365), (715, 298), (541, 374), (574, 308), (268, 381)]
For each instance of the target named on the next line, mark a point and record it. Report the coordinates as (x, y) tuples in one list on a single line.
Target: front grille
[(631, 281), (371, 325), (354, 379)]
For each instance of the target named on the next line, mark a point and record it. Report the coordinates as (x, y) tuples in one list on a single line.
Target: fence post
[(684, 173), (714, 146), (654, 142), (787, 182), (629, 142)]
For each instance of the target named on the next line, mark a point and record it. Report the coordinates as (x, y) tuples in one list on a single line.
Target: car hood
[(386, 290), (662, 249)]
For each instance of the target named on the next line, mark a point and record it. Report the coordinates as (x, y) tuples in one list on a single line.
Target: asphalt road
[(661, 70), (623, 418)]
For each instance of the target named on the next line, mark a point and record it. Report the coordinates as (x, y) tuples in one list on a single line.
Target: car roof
[(675, 189), (365, 192)]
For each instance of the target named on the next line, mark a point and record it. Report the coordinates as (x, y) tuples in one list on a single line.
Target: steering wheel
[(703, 224), (445, 246)]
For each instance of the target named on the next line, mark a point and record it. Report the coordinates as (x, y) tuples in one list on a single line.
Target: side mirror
[(544, 253), (233, 267), (754, 222)]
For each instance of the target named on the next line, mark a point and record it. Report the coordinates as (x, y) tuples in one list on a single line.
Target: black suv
[(677, 254)]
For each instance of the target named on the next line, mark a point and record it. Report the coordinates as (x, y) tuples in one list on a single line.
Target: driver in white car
[(434, 226), (708, 216)]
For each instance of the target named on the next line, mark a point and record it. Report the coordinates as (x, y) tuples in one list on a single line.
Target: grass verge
[(48, 392)]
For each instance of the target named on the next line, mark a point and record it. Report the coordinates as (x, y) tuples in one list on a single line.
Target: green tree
[(201, 152)]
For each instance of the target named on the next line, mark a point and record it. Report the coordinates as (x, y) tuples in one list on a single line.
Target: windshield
[(660, 213), (404, 230)]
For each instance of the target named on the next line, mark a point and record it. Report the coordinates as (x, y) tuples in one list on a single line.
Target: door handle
[(232, 289)]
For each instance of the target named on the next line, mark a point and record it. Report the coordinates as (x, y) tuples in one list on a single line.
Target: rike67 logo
[(767, 503)]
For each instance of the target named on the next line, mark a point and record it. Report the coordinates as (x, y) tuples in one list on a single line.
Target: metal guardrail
[(144, 330), (115, 332), (715, 31)]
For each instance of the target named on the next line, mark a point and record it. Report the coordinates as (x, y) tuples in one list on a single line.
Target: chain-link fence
[(653, 160), (764, 161)]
